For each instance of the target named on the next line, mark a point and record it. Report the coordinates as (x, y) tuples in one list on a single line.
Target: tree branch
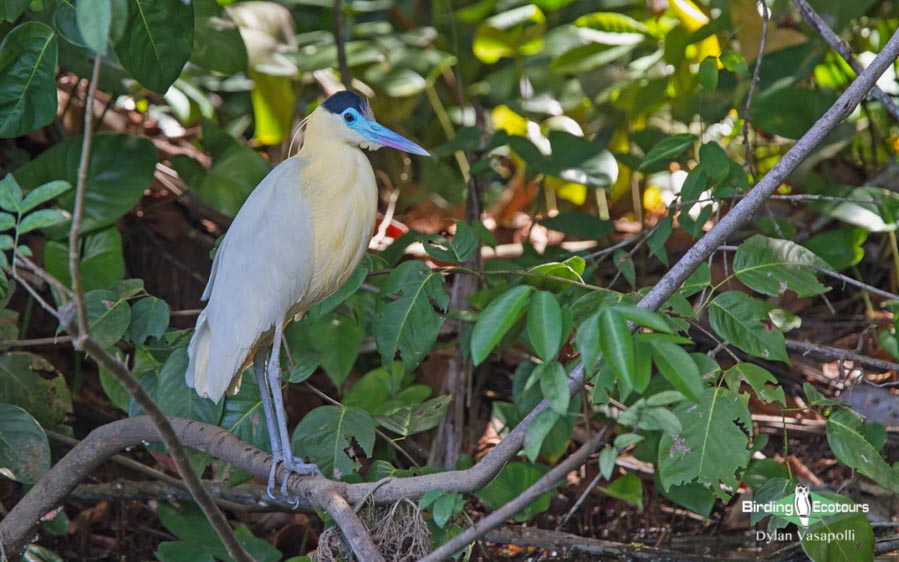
[(817, 23)]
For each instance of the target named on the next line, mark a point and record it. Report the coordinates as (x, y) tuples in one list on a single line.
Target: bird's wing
[(262, 268)]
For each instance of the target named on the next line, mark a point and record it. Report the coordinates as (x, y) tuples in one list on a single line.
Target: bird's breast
[(343, 201)]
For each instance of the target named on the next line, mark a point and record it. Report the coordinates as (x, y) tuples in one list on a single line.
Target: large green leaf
[(149, 318), (337, 338), (410, 323), (121, 168), (94, 19), (24, 450), (617, 346), (743, 321), (771, 266), (30, 382), (102, 263), (515, 478), (667, 150), (158, 41), (545, 325), (790, 112), (244, 416), (496, 320), (326, 433), (236, 170), (846, 437), (409, 420), (10, 10), (518, 31), (218, 45), (461, 247), (27, 79), (176, 400), (758, 378), (714, 445), (678, 367), (108, 316)]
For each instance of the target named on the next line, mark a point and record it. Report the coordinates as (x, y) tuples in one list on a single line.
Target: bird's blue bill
[(380, 134)]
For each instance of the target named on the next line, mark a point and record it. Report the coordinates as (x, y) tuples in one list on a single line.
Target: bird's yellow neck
[(339, 184)]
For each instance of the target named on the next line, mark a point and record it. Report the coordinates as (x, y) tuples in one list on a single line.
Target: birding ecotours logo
[(806, 509)]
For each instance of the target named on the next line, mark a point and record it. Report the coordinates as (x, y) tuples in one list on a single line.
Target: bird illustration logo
[(802, 504)]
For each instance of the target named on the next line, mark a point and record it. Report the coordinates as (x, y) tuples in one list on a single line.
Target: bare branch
[(353, 529), (540, 487), (818, 24)]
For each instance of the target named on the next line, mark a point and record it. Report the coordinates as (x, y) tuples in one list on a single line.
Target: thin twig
[(540, 487), (83, 342), (78, 211), (747, 113), (340, 43), (828, 352), (57, 340)]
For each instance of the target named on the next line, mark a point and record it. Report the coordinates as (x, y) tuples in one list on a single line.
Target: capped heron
[(297, 238)]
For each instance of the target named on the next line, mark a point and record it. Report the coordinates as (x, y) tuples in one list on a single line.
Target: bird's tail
[(212, 374), (197, 375)]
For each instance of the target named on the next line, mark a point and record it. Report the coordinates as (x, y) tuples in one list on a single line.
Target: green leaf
[(158, 42), (176, 400), (642, 317), (121, 168), (410, 420), (518, 31), (743, 321), (628, 487), (677, 367), (43, 193), (571, 270), (790, 112), (178, 551), (10, 10), (108, 317), (611, 22), (24, 450), (607, 458), (236, 170), (337, 337), (667, 150), (708, 74), (714, 446), (149, 318), (28, 78), (538, 431), (515, 478), (94, 19), (587, 339), (218, 45), (327, 432), (243, 415), (656, 240), (545, 325), (42, 219), (496, 320), (578, 225), (32, 383), (852, 539), (617, 347), (554, 386), (458, 249), (10, 194), (758, 378), (846, 437), (734, 62), (841, 247), (102, 262), (715, 163), (410, 323), (771, 266)]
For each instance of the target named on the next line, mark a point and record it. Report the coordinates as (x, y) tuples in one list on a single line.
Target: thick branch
[(351, 526)]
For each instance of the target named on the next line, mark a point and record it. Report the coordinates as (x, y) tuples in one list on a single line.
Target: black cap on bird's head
[(347, 99), (355, 112)]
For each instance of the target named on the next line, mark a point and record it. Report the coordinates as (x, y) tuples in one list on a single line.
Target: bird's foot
[(291, 465)]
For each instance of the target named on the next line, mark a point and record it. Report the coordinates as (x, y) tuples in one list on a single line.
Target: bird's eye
[(349, 117)]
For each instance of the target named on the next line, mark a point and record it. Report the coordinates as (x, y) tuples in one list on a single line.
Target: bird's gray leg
[(274, 380), (273, 437)]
